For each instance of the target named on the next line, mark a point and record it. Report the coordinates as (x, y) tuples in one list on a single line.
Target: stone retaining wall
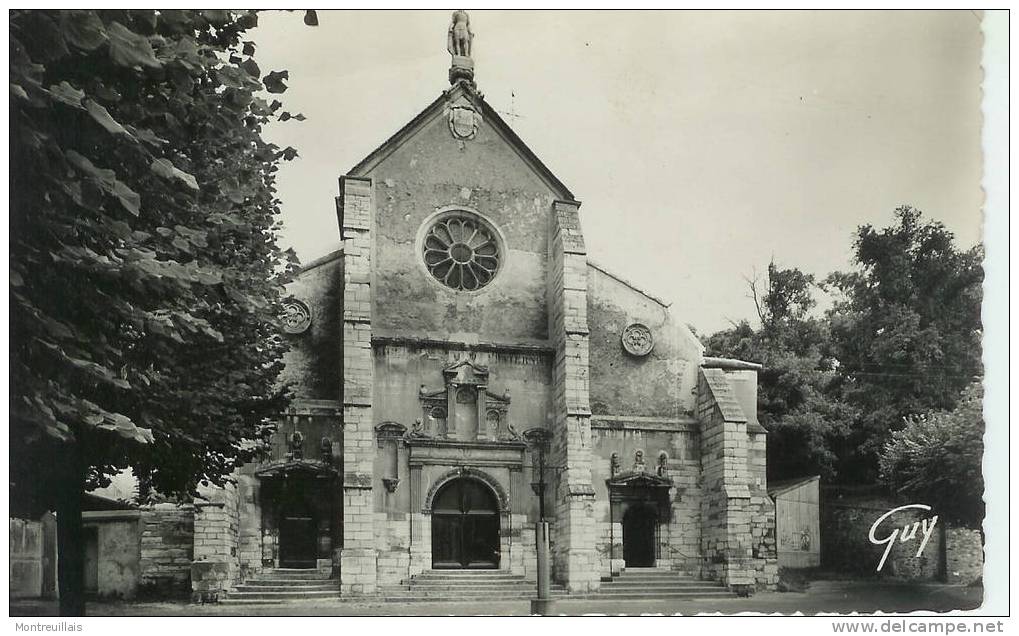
[(951, 554), (167, 548)]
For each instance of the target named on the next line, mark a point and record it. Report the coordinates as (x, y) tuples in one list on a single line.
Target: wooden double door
[(465, 526)]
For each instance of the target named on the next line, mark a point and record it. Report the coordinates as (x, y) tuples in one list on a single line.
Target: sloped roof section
[(321, 260), (723, 394), (783, 486), (601, 268), (435, 109)]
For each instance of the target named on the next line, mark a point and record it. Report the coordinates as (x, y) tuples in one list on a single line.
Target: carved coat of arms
[(463, 122)]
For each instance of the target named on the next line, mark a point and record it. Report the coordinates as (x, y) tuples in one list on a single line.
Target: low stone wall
[(951, 554), (964, 555), (846, 547), (167, 549)]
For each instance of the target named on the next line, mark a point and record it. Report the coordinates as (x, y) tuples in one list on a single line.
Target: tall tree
[(804, 420), (145, 277), (905, 330), (937, 459)]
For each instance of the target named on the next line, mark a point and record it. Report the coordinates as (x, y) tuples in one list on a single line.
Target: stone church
[(461, 369)]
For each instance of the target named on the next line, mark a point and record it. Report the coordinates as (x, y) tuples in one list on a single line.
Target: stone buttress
[(574, 554), (358, 553), (738, 520)]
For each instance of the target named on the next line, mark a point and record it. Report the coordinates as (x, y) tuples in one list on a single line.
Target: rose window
[(461, 251)]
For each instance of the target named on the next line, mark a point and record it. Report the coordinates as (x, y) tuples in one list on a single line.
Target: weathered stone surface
[(547, 331), (167, 537), (964, 555)]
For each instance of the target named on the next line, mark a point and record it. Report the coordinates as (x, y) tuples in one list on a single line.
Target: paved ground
[(822, 596)]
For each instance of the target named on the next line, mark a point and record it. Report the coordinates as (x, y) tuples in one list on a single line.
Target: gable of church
[(458, 156)]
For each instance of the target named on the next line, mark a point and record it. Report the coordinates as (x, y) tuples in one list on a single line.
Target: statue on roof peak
[(460, 37)]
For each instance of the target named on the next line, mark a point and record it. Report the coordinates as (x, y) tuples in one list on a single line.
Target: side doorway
[(640, 536), (298, 533)]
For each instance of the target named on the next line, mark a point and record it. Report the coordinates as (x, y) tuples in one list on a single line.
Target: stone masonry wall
[(392, 540), (249, 531), (167, 549), (575, 558), (763, 539), (358, 555), (217, 529), (738, 517), (845, 544), (680, 545), (726, 523), (964, 555), (952, 554)]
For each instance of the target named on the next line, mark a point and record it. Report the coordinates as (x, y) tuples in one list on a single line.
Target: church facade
[(462, 370)]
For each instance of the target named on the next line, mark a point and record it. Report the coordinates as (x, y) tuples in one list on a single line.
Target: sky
[(702, 145)]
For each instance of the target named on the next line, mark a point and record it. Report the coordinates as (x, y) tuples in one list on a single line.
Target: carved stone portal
[(465, 409)]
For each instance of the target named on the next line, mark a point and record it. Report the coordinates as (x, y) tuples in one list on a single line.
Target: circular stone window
[(296, 316), (461, 250), (637, 339)]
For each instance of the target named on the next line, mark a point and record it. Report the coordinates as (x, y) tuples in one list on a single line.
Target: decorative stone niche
[(464, 409), (390, 436)]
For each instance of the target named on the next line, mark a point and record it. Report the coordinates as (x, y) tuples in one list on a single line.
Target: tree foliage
[(795, 403), (902, 338), (145, 276), (905, 329), (936, 459)]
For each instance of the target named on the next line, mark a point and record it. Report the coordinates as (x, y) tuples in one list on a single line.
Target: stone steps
[(475, 586), (284, 585), (657, 584), (289, 582), (270, 586), (294, 574), (648, 596), (480, 576), (283, 596)]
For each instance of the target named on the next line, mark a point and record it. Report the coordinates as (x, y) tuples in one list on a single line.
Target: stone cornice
[(492, 347), (638, 423)]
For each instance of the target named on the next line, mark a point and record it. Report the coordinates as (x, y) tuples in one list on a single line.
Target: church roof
[(601, 268), (489, 114), (321, 260)]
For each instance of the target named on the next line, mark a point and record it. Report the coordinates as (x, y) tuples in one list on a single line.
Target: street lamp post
[(542, 605)]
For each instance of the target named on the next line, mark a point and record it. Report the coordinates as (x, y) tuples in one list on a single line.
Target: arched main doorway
[(465, 526), (640, 536)]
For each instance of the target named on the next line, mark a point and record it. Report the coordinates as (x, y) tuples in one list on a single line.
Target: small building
[(112, 543), (32, 565), (797, 521)]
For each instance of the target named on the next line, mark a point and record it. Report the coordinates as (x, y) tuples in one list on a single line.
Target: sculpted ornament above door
[(465, 409)]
